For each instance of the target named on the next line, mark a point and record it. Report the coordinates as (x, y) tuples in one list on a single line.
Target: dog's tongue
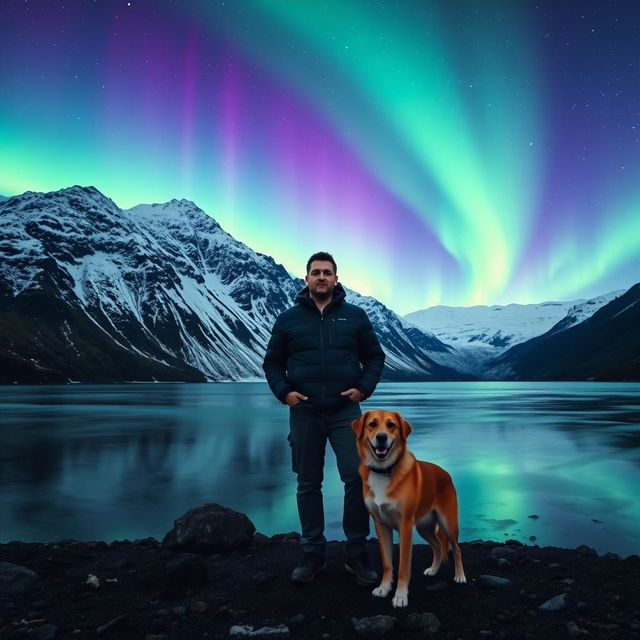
[(381, 452)]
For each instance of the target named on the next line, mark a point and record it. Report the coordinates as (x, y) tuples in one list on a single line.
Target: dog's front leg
[(385, 540), (401, 598)]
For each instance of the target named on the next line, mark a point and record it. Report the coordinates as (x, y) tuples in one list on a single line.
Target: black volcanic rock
[(210, 528), (252, 587)]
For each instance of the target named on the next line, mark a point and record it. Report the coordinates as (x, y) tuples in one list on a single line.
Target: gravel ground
[(144, 591)]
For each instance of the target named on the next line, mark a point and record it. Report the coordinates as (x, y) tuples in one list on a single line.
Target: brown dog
[(401, 492)]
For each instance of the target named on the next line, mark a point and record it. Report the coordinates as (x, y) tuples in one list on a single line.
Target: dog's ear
[(405, 427), (358, 424)]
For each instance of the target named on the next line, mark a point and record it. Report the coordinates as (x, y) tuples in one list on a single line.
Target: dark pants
[(308, 437)]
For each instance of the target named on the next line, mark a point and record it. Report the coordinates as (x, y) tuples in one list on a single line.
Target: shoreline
[(146, 590)]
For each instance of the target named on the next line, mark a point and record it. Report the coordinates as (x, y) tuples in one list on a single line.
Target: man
[(322, 360)]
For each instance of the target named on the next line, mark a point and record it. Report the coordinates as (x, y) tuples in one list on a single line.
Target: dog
[(401, 492)]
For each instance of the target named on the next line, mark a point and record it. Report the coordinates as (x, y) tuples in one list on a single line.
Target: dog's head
[(381, 437)]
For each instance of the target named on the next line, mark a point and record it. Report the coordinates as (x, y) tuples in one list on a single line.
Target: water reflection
[(114, 461)]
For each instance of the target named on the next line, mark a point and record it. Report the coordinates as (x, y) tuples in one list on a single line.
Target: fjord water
[(105, 462)]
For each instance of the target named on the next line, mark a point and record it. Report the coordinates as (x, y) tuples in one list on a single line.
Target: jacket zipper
[(324, 391)]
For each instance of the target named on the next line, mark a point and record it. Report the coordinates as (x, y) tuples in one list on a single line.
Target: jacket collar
[(338, 297)]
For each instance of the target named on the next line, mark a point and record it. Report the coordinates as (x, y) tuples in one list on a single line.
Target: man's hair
[(325, 257)]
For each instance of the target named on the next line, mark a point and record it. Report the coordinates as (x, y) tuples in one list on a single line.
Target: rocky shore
[(214, 577)]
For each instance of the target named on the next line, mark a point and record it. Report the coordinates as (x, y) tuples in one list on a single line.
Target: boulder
[(373, 626), (425, 622), (15, 579), (210, 528)]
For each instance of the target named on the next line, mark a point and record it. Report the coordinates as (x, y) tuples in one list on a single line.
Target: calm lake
[(105, 462)]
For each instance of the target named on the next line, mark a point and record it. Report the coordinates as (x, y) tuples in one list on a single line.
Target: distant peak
[(78, 189), (183, 202)]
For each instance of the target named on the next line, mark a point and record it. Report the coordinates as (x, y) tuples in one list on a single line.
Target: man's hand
[(355, 395), (293, 397)]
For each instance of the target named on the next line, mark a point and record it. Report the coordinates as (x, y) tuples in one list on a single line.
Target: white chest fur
[(380, 505)]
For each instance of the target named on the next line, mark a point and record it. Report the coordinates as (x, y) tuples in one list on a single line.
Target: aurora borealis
[(475, 152)]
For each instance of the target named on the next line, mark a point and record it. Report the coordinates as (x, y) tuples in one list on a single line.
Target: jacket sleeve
[(371, 356), (275, 362)]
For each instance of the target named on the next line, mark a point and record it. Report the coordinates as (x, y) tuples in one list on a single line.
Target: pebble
[(493, 582), (555, 604), (584, 550), (514, 543), (574, 630), (44, 632), (93, 581), (261, 577), (373, 626), (198, 606), (425, 622), (504, 552), (180, 610), (281, 632), (297, 620)]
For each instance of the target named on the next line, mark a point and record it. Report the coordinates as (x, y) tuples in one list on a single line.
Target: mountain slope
[(605, 346), (90, 292), (498, 328)]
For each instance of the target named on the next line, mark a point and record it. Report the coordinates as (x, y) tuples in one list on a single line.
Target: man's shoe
[(360, 567), (311, 564)]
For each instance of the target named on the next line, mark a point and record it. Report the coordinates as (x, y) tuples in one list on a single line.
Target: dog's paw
[(400, 601), (431, 571), (460, 579), (382, 591)]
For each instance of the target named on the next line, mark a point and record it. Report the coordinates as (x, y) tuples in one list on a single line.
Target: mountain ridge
[(91, 291), (94, 293)]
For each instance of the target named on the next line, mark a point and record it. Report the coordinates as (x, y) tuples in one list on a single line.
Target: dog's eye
[(391, 426), (371, 425)]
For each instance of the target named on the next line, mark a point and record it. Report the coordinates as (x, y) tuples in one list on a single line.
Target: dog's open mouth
[(381, 452)]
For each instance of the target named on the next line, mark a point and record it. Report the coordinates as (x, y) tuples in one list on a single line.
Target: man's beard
[(323, 295)]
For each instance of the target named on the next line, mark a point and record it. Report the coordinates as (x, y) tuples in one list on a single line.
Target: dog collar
[(386, 471)]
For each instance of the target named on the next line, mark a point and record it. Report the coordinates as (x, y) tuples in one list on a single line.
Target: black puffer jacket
[(322, 354)]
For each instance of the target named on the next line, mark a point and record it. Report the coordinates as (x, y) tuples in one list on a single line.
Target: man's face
[(321, 279)]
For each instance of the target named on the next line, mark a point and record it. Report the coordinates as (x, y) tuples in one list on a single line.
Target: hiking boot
[(311, 564), (360, 567)]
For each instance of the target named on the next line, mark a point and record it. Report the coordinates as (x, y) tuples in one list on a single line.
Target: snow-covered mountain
[(501, 327), (91, 292), (604, 345), (482, 333)]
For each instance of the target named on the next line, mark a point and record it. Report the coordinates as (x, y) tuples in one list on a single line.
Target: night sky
[(467, 152)]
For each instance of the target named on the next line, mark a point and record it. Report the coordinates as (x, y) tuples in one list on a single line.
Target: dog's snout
[(381, 438)]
